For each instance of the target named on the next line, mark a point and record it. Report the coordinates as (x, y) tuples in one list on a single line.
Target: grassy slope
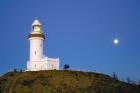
[(54, 81)]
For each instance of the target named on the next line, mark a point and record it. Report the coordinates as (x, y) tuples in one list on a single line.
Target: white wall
[(36, 48)]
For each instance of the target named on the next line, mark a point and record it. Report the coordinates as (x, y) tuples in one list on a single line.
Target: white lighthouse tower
[(36, 38), (37, 59)]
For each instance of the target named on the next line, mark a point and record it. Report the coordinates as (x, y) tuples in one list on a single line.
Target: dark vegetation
[(66, 67), (54, 81)]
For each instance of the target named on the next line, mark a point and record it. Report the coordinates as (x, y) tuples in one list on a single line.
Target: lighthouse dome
[(36, 22)]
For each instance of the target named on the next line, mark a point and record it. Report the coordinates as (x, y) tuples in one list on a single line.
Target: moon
[(116, 41)]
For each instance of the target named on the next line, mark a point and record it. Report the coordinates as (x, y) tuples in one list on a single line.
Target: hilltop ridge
[(63, 81)]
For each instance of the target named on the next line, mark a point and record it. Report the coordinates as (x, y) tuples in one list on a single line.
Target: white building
[(37, 59)]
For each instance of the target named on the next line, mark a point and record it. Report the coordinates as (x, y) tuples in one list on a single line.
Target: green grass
[(54, 81)]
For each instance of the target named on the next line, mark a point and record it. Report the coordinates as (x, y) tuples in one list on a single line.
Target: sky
[(79, 32)]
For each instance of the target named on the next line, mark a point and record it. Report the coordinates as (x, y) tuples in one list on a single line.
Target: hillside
[(54, 81)]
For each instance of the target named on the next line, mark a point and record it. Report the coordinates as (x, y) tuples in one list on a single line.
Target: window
[(35, 66)]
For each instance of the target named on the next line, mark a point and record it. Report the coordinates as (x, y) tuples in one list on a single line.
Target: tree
[(66, 66)]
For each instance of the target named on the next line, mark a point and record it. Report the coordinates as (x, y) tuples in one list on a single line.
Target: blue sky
[(79, 32)]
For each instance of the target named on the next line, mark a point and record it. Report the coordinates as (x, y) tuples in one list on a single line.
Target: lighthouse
[(36, 38), (37, 59)]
